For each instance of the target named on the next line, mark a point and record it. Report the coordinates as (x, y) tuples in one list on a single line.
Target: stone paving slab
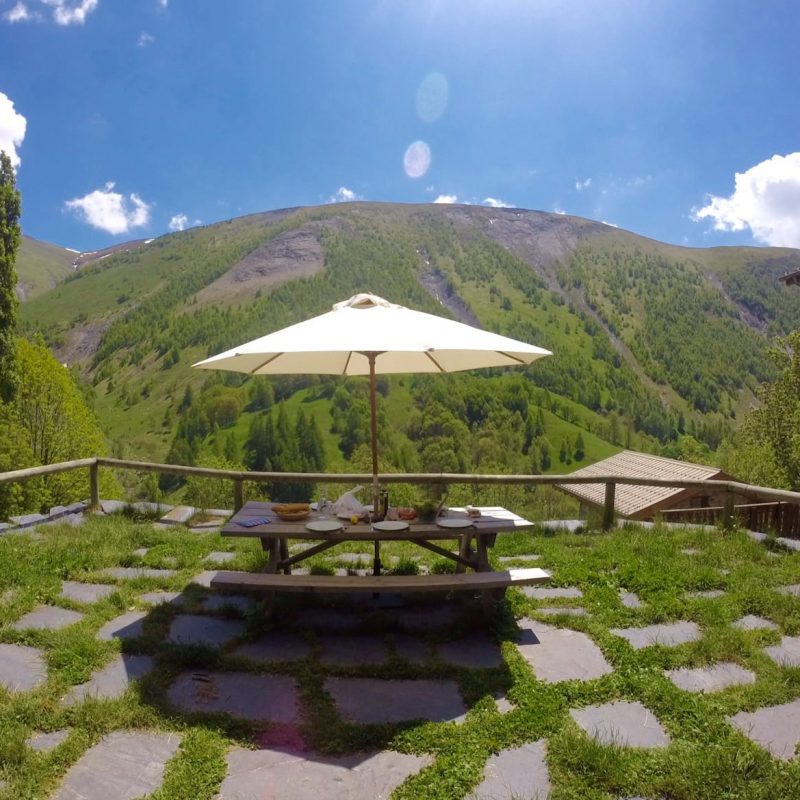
[(560, 654), (789, 544), (775, 728), (122, 766), (126, 626), (141, 552), (712, 678), (275, 646), (132, 573), (621, 723), (549, 592), (112, 681), (204, 578), (690, 551), (669, 635), (196, 629), (299, 776), (208, 525), (219, 557), (27, 520), (21, 668), (474, 652), (259, 698), (327, 619), (376, 701), (158, 598), (353, 650), (228, 602), (792, 590), (787, 653), (411, 648), (47, 618), (112, 506), (516, 772), (503, 704), (629, 599), (751, 622), (178, 515), (86, 592), (554, 611), (45, 742), (705, 594), (425, 619), (354, 558)]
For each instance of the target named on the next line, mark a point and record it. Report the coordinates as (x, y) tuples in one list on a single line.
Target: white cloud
[(558, 210), (610, 224), (110, 211), (164, 3), (446, 198), (765, 199), (19, 13), (178, 222), (494, 202), (12, 129), (344, 195), (71, 12), (581, 185), (145, 39)]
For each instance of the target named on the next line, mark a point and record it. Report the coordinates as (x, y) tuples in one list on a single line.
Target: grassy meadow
[(707, 759)]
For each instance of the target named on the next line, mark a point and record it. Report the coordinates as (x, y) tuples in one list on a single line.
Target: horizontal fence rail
[(789, 501)]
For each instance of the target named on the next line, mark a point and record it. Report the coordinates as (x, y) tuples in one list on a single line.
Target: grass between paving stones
[(706, 759)]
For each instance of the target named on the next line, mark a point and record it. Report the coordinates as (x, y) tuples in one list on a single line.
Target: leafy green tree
[(767, 449), (15, 453), (55, 423), (10, 209)]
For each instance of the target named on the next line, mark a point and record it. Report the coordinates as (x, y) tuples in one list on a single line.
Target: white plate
[(324, 526), (391, 525), (455, 522)]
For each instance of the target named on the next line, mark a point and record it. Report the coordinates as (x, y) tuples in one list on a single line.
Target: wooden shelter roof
[(792, 278), (640, 502)]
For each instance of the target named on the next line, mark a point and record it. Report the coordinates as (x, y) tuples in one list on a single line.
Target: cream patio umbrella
[(367, 335)]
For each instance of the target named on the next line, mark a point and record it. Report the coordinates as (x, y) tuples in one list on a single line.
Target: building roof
[(792, 278), (640, 502)]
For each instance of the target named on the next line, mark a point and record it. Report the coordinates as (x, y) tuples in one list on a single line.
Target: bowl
[(292, 512)]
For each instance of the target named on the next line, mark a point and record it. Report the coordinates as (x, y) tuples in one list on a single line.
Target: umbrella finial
[(363, 300)]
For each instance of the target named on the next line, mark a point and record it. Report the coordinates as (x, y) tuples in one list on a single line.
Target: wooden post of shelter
[(727, 511), (238, 494), (94, 486), (608, 508)]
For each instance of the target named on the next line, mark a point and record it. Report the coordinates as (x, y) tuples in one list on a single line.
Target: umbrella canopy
[(367, 335)]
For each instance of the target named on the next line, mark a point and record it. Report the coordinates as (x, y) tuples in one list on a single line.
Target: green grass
[(707, 758)]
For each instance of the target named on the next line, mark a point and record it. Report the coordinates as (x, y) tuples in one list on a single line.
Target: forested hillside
[(655, 347)]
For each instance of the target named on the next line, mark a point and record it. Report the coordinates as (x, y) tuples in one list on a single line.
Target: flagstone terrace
[(659, 662)]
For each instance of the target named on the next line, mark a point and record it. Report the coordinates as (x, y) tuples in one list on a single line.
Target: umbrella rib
[(347, 363), (513, 358), (438, 365), (268, 361)]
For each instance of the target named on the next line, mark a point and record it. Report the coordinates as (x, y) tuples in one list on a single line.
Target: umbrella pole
[(373, 407)]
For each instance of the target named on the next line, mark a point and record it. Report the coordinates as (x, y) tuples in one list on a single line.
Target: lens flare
[(417, 159), (432, 96)]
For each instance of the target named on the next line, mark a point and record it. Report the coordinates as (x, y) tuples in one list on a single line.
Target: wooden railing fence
[(726, 514)]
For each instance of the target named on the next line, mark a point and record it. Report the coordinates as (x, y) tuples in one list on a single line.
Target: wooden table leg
[(284, 553), (272, 547), (376, 561), (464, 550), (482, 554)]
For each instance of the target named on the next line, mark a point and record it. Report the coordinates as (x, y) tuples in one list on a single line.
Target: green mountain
[(41, 266), (651, 342)]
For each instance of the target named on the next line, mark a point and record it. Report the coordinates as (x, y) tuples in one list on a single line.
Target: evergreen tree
[(10, 209), (580, 448)]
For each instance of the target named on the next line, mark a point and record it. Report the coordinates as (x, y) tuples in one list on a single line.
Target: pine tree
[(580, 448), (10, 209)]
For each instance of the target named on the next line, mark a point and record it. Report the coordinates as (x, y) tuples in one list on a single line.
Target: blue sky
[(677, 120)]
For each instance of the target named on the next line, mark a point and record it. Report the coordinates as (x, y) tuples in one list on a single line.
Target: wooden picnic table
[(276, 533)]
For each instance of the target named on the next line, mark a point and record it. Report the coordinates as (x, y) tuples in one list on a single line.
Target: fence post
[(94, 487), (727, 511), (608, 508), (238, 494)]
